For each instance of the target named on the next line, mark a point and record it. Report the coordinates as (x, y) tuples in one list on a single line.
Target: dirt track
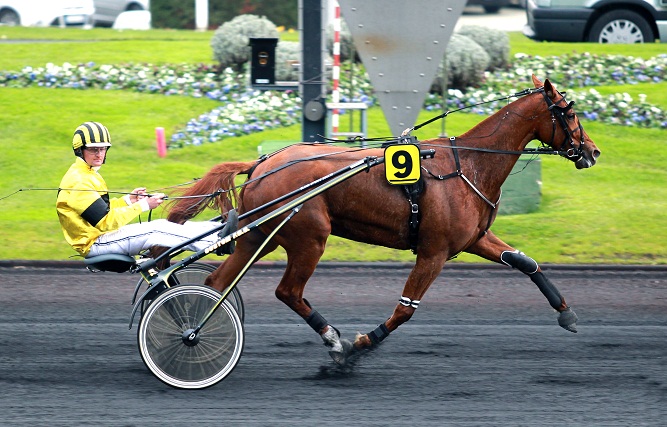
[(484, 349)]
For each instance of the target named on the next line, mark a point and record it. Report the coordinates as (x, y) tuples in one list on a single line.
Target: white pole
[(201, 15), (335, 93)]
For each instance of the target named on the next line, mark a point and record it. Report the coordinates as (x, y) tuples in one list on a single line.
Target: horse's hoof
[(568, 320), (340, 357)]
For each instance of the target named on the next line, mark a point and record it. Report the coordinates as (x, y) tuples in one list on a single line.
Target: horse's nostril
[(596, 154)]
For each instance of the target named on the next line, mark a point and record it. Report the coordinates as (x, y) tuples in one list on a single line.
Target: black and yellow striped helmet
[(91, 134)]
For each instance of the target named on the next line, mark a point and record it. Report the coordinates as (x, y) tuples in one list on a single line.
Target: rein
[(448, 112), (214, 194), (384, 141), (559, 115)]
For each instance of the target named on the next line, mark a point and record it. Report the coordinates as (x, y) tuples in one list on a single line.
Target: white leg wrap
[(332, 339), (407, 302)]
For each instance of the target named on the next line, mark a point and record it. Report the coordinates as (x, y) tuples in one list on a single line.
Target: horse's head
[(564, 132)]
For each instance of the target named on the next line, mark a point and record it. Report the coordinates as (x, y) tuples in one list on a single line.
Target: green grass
[(521, 44), (612, 213), (38, 46)]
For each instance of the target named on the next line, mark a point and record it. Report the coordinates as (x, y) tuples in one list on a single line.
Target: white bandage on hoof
[(331, 339)]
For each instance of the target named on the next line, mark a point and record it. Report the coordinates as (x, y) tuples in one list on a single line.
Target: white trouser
[(135, 238)]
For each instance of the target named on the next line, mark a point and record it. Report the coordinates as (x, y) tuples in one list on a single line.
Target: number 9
[(402, 161)]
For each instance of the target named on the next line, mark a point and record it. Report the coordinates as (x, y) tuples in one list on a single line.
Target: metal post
[(312, 78), (444, 86)]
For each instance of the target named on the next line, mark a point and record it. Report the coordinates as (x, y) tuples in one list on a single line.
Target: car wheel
[(10, 18), (621, 26), (491, 9)]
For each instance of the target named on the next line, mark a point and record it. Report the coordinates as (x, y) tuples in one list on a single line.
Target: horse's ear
[(549, 89), (537, 81)]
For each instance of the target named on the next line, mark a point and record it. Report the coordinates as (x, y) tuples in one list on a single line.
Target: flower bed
[(244, 110)]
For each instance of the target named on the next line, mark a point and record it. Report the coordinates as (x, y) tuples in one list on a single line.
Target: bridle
[(567, 149)]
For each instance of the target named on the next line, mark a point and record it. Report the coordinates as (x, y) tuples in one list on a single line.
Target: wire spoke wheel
[(190, 365), (197, 272)]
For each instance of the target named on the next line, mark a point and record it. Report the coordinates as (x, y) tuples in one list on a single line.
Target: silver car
[(106, 11), (602, 21), (42, 13)]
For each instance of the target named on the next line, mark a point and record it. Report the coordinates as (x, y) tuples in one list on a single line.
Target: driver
[(94, 224)]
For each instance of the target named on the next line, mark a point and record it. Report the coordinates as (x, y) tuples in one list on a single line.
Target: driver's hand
[(155, 200), (137, 194)]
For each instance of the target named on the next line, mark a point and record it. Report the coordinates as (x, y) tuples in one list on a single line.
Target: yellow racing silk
[(85, 210)]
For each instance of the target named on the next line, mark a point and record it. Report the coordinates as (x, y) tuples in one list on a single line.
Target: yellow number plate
[(402, 164)]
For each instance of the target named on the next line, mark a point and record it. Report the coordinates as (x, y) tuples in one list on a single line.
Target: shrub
[(496, 43), (287, 54), (288, 58), (347, 48), (230, 42), (465, 61)]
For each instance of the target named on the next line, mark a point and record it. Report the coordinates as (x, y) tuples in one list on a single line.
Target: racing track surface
[(483, 349)]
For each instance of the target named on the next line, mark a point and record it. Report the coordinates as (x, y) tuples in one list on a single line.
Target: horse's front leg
[(492, 248), (424, 272)]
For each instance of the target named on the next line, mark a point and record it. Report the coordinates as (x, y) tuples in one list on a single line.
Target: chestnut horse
[(455, 213)]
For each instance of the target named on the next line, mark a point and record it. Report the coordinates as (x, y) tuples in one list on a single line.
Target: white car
[(106, 11), (43, 13)]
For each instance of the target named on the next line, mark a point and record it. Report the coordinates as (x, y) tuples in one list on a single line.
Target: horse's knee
[(528, 266), (520, 261)]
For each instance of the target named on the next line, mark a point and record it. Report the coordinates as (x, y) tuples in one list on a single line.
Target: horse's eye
[(570, 116)]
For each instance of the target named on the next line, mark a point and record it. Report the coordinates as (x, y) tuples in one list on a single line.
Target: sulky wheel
[(169, 351), (196, 273)]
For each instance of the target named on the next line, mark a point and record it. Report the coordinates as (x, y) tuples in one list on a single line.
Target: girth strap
[(413, 191)]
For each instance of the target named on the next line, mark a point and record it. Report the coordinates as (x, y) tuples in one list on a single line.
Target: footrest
[(118, 263), (231, 226)]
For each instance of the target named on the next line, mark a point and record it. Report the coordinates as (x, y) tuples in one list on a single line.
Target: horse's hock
[(522, 191)]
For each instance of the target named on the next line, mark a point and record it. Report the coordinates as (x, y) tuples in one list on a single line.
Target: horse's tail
[(220, 177)]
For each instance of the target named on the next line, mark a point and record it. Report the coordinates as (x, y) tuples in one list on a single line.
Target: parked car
[(493, 6), (602, 21), (490, 6), (43, 13), (106, 11)]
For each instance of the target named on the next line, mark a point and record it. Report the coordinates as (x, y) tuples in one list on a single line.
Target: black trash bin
[(263, 61)]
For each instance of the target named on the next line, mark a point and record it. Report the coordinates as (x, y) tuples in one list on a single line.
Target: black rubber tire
[(621, 26), (9, 18)]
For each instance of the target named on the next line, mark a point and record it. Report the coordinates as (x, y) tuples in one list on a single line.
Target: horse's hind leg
[(494, 249), (246, 247)]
